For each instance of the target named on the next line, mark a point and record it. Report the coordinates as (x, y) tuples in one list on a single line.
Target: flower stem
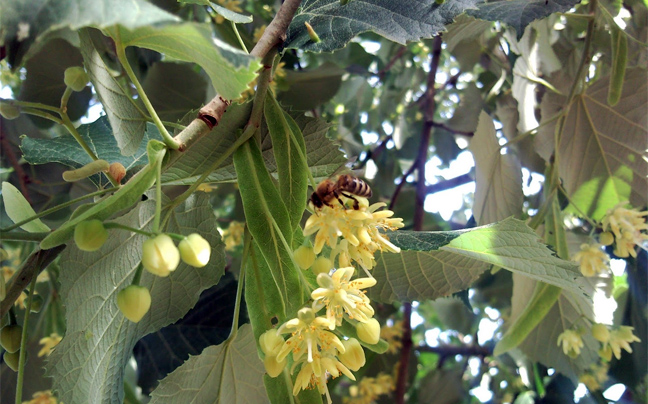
[(23, 236), (56, 208), (23, 343), (238, 36), (138, 274), (158, 198), (121, 55), (112, 225)]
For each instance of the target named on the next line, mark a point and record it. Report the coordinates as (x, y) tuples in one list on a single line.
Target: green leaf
[(290, 158), (310, 88), (227, 373), (619, 60), (602, 150), (98, 135), (520, 13), (229, 69), (123, 198), (420, 275), (498, 189), (126, 117), (44, 80), (336, 23), (512, 245), (174, 89), (225, 12), (18, 209), (88, 364), (268, 221), (464, 28), (544, 297), (324, 156), (541, 344)]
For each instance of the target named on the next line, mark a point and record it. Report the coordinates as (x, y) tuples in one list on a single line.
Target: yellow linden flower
[(620, 338), (233, 235), (258, 32), (339, 294), (309, 336), (48, 344), (590, 381), (369, 389), (571, 343), (627, 226), (43, 397), (592, 259), (232, 5), (360, 230)]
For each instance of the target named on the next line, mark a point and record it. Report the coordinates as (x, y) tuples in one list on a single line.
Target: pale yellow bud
[(195, 250), (601, 332), (273, 366), (270, 342), (369, 332), (304, 256), (322, 265), (606, 238), (90, 235), (160, 256), (76, 78), (134, 302), (353, 356)]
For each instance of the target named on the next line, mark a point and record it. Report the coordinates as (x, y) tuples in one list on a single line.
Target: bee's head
[(316, 200)]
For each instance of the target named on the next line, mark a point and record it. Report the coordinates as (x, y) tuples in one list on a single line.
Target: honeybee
[(346, 185)]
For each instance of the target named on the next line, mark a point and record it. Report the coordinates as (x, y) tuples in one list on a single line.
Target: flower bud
[(606, 238), (273, 366), (134, 302), (195, 250), (10, 338), (76, 78), (322, 265), (601, 332), (353, 356), (117, 171), (605, 353), (270, 342), (9, 111), (369, 332), (12, 359), (90, 235), (305, 256), (160, 256), (36, 304)]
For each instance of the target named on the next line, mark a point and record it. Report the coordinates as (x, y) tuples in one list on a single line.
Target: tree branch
[(449, 184), (429, 109), (451, 350), (210, 115), (36, 262)]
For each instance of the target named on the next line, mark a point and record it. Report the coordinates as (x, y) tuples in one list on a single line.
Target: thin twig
[(399, 54), (449, 184), (36, 262), (449, 129), (400, 185)]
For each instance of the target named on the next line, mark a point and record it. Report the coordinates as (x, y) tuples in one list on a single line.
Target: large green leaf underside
[(99, 136), (520, 13), (513, 245), (227, 373), (541, 344), (25, 22), (229, 69), (127, 119), (88, 364), (323, 156), (399, 21), (498, 189), (437, 264), (602, 152)]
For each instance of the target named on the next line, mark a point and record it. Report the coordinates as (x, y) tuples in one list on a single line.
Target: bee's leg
[(356, 204), (337, 196)]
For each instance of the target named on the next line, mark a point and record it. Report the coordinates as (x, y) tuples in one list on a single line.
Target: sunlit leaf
[(602, 152), (18, 209)]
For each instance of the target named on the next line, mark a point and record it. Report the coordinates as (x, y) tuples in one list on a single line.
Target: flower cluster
[(49, 343), (369, 389), (43, 397), (595, 376), (233, 235), (592, 259), (627, 226), (572, 342), (317, 347), (360, 231), (612, 341)]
